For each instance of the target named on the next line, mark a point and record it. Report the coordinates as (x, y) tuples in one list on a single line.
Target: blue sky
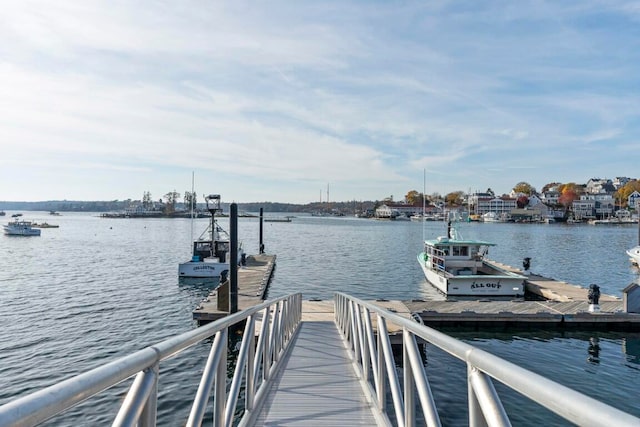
[(275, 101)]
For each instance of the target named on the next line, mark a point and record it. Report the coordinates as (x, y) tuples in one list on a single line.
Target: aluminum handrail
[(354, 319), (280, 320)]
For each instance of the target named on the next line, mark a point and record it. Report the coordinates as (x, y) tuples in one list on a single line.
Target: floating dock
[(253, 284), (561, 305)]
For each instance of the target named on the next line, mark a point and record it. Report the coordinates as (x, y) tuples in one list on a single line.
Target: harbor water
[(97, 288)]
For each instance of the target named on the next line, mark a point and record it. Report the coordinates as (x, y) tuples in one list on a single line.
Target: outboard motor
[(526, 264)]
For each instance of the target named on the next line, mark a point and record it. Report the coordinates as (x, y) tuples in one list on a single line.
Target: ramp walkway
[(316, 384), (288, 371)]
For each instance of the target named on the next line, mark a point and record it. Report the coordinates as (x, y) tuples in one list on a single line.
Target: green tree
[(146, 200), (190, 198), (170, 201), (524, 188)]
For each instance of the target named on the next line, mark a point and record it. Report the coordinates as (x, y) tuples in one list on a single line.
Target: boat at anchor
[(457, 266), (20, 228)]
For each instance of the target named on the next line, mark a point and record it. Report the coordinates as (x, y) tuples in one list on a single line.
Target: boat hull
[(202, 269), (634, 254), (14, 231), (507, 284)]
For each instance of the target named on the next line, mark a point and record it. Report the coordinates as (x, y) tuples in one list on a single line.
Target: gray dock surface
[(563, 306), (316, 385), (253, 284)]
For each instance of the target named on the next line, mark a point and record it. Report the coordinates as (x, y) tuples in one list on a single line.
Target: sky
[(290, 101)]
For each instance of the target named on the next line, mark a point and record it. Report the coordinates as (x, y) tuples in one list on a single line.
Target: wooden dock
[(562, 305), (253, 283), (552, 289)]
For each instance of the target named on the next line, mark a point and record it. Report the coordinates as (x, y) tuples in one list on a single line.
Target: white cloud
[(301, 94)]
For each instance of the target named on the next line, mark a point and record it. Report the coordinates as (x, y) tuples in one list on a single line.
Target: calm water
[(98, 288)]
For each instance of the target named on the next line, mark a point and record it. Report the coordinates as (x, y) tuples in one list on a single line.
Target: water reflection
[(631, 349), (594, 350)]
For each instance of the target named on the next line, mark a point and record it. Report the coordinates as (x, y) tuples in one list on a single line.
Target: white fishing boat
[(20, 228), (456, 266), (210, 257)]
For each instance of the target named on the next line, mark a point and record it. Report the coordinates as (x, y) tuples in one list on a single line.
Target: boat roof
[(445, 241)]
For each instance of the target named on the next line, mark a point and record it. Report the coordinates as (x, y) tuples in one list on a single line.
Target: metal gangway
[(294, 372)]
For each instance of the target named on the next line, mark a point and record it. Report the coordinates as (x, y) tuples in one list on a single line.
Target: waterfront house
[(633, 200)]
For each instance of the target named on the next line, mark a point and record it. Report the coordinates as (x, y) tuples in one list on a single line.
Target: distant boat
[(44, 225), (456, 266), (210, 257), (2, 213), (20, 228), (490, 217), (278, 219), (53, 213)]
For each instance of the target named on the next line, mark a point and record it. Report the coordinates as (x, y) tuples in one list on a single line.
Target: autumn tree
[(522, 201), (454, 198), (568, 193), (524, 188), (413, 197), (625, 191)]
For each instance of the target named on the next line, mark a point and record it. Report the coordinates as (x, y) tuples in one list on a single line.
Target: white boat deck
[(316, 384)]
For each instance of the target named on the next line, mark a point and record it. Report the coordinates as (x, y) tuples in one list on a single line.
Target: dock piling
[(233, 259), (261, 241)]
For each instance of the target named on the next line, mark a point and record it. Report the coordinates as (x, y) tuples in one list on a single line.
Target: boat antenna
[(424, 200), (191, 199)]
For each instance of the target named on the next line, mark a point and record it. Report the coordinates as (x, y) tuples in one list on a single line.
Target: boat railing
[(437, 260), (374, 360), (277, 321)]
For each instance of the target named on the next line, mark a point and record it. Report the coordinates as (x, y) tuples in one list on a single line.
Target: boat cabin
[(204, 249), (459, 257)]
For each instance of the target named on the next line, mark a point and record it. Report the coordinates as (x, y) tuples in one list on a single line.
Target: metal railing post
[(136, 399), (207, 380), (150, 410), (381, 386), (492, 410), (220, 394), (408, 375), (476, 419), (373, 356)]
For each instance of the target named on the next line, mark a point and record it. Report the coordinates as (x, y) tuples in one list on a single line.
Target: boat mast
[(191, 199), (424, 201)]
